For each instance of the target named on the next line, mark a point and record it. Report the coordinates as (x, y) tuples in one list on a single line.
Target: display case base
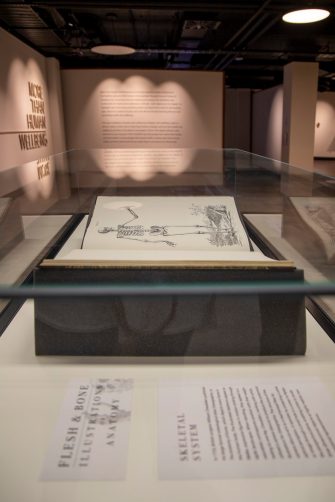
[(168, 325)]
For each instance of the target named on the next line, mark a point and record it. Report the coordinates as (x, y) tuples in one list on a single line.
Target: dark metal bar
[(80, 291)]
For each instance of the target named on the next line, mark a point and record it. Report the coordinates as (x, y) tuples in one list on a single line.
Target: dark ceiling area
[(246, 39)]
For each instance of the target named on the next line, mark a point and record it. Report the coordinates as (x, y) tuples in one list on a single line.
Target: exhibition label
[(90, 441), (245, 428)]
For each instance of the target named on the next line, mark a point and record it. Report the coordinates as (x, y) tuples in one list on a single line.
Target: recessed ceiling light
[(113, 50), (306, 16)]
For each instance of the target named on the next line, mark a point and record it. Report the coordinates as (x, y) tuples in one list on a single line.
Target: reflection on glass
[(290, 209)]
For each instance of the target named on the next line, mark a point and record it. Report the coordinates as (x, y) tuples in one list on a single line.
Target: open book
[(176, 231)]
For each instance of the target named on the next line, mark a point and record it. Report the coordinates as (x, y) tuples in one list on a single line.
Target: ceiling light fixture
[(113, 50), (305, 16)]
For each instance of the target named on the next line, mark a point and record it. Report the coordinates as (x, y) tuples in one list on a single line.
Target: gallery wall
[(155, 114), (237, 117), (28, 136), (25, 95), (325, 125), (267, 119), (102, 108), (143, 108), (127, 108)]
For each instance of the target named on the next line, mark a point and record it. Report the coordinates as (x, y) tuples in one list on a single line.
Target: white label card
[(245, 428), (90, 441)]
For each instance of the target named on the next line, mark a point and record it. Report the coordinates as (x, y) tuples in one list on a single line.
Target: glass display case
[(288, 212), (262, 424)]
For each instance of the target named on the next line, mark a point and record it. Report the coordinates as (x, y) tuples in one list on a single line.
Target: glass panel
[(289, 212), (33, 215), (299, 224)]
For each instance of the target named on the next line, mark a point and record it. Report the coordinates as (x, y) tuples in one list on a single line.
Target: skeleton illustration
[(218, 227)]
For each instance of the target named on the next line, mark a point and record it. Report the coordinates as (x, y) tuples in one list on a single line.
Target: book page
[(156, 256), (207, 224)]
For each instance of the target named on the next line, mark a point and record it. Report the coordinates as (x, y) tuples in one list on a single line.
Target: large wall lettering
[(36, 121)]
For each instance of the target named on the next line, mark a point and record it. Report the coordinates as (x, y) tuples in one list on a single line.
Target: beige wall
[(19, 65), (138, 108), (299, 105), (237, 107), (268, 118), (267, 121), (31, 123), (56, 105), (325, 125)]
